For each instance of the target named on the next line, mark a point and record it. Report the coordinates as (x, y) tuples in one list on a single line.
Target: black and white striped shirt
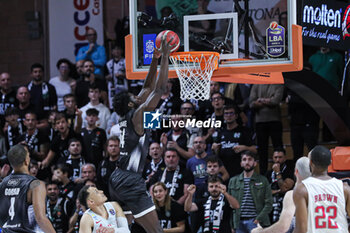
[(248, 209)]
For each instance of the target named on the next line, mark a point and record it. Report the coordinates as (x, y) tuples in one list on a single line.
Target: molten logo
[(346, 23), (322, 16)]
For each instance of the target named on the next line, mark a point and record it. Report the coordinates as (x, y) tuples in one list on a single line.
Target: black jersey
[(133, 148), (14, 207)]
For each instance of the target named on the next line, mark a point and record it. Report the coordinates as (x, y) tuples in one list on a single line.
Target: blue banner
[(149, 41)]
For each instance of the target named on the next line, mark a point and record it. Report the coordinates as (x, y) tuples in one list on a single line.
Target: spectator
[(63, 83), (168, 103), (231, 141), (93, 51), (215, 167), (88, 172), (109, 163), (171, 215), (74, 160), (265, 99), (116, 77), (82, 88), (75, 219), (33, 167), (24, 105), (42, 94), (103, 112), (94, 219), (188, 109), (15, 128), (79, 68), (329, 65), (157, 162), (218, 102), (56, 208), (179, 139), (59, 145), (175, 177), (51, 130), (72, 112), (68, 190), (253, 193), (217, 208), (304, 125), (94, 137), (36, 140), (281, 178), (8, 93)]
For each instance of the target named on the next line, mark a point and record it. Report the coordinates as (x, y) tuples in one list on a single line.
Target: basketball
[(175, 43)]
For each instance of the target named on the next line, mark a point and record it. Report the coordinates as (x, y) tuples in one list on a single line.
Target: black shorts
[(129, 190)]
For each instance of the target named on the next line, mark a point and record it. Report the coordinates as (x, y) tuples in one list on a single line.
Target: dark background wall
[(23, 39)]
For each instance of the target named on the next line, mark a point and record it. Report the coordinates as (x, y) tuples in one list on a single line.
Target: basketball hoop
[(194, 69)]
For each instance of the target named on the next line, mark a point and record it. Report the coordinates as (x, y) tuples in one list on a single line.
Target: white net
[(194, 72)]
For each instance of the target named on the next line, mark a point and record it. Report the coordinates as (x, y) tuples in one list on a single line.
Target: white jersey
[(99, 221), (326, 205)]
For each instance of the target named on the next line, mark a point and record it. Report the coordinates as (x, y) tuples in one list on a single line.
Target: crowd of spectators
[(71, 131)]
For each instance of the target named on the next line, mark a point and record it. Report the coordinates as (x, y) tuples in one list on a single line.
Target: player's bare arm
[(300, 198), (37, 195), (283, 224), (86, 224), (156, 94)]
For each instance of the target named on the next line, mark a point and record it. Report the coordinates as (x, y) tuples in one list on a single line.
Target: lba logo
[(151, 120)]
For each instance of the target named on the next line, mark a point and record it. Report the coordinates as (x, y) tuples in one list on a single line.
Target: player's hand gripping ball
[(174, 44)]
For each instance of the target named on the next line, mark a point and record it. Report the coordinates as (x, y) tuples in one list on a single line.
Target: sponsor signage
[(326, 23), (68, 23)]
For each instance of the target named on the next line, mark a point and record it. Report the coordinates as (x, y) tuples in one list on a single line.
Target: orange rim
[(197, 54)]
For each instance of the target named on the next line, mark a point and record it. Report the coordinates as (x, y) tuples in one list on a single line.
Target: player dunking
[(322, 200), (20, 194), (126, 184)]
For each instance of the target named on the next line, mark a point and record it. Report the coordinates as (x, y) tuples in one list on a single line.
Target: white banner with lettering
[(68, 22)]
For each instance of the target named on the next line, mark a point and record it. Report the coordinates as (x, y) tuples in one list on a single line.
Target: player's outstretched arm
[(160, 87), (38, 193), (86, 224), (151, 78), (300, 199), (283, 224)]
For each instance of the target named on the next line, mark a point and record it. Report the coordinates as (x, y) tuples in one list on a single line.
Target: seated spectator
[(33, 167), (42, 94), (281, 178), (24, 105), (157, 162), (59, 145), (94, 138), (171, 215), (94, 219), (74, 160), (36, 140), (88, 172), (8, 93), (72, 112), (179, 139), (56, 208), (108, 164), (175, 177), (82, 88), (231, 141), (61, 175), (14, 127), (76, 217), (104, 113), (93, 51), (217, 208), (63, 83)]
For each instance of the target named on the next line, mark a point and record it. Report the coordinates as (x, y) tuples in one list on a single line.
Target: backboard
[(251, 36)]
